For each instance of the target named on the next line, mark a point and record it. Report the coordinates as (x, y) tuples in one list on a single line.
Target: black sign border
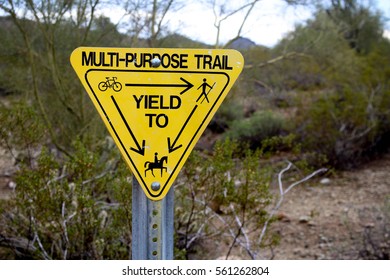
[(193, 137)]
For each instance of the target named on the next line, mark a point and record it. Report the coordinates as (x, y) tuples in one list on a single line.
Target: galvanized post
[(152, 225)]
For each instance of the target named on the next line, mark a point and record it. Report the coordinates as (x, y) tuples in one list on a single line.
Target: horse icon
[(157, 164)]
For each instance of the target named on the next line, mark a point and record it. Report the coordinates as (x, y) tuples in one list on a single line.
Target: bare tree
[(148, 19), (43, 19), (224, 10)]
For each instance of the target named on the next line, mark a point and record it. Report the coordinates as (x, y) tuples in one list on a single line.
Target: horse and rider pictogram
[(156, 164)]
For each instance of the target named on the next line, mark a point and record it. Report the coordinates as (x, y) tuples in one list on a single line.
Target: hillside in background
[(242, 43)]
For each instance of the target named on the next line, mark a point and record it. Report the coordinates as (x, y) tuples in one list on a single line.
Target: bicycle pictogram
[(110, 83)]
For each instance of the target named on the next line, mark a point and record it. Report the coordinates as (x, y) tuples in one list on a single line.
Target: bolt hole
[(154, 253), (155, 212), (155, 239), (154, 226)]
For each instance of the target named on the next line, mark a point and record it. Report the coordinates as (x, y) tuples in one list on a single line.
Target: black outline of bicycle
[(115, 85)]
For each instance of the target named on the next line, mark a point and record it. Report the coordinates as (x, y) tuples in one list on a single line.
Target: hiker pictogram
[(156, 164), (110, 83), (204, 93)]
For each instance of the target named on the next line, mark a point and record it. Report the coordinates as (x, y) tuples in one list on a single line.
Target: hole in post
[(154, 226), (154, 253), (154, 239), (155, 212)]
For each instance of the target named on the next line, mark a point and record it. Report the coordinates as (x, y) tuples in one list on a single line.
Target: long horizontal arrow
[(140, 149), (187, 85), (172, 148)]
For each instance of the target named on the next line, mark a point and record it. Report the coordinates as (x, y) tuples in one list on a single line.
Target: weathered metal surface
[(152, 231)]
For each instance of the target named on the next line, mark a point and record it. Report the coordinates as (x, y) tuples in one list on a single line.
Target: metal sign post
[(152, 230)]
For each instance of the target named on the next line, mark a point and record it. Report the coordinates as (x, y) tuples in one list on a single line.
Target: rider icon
[(156, 164), (156, 158)]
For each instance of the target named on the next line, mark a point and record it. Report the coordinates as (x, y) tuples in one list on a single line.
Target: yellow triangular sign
[(156, 103)]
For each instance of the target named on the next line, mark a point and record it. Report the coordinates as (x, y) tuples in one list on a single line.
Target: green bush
[(21, 127), (255, 129), (80, 207), (344, 117), (344, 126), (216, 192), (229, 112), (69, 209)]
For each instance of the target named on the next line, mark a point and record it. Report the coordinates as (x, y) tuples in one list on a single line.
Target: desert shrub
[(77, 208), (345, 126), (229, 112), (253, 130), (345, 117), (350, 122), (80, 207), (218, 197), (289, 146), (280, 143), (21, 127)]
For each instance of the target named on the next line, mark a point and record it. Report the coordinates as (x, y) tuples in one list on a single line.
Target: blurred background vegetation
[(320, 97)]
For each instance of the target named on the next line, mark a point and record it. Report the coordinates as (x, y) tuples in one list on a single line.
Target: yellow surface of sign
[(156, 103)]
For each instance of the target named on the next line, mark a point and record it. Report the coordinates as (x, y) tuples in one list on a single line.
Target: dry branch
[(276, 59)]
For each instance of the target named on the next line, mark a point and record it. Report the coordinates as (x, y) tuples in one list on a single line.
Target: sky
[(270, 21)]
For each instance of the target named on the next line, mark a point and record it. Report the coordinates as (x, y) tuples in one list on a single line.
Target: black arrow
[(140, 149), (172, 148), (187, 85)]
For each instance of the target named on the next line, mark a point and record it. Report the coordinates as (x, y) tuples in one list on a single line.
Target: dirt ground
[(344, 217)]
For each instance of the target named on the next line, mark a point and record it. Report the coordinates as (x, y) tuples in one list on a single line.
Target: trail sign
[(156, 103)]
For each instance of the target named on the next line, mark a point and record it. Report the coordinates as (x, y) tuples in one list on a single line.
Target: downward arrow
[(187, 85), (140, 149), (172, 148)]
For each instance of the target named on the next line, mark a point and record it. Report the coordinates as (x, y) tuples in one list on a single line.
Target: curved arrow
[(187, 85), (140, 149), (172, 148)]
